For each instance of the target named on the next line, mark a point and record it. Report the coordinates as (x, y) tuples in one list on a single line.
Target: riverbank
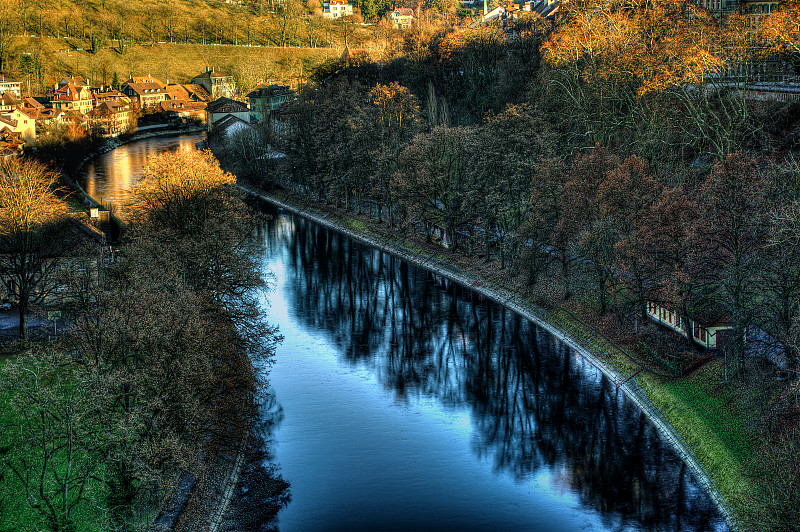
[(142, 134), (116, 142), (605, 356), (221, 465)]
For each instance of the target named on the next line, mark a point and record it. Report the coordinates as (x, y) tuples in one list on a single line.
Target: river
[(109, 178), (410, 403)]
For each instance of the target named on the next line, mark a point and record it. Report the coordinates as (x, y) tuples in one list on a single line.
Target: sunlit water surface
[(110, 177)]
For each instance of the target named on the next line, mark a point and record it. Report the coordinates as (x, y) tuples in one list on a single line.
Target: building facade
[(337, 9), (218, 84)]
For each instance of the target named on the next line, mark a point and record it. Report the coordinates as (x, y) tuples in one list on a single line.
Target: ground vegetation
[(161, 372)]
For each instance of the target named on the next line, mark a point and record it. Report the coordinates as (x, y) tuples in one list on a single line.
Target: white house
[(222, 108), (10, 85), (337, 9)]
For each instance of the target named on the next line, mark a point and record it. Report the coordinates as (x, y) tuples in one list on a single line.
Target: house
[(220, 109), (216, 83), (111, 118), (146, 79), (146, 96), (758, 8), (747, 7), (182, 110), (547, 9), (704, 328), (113, 96), (197, 93), (176, 92), (266, 98), (8, 102), (231, 125), (21, 122), (32, 103), (10, 85), (402, 18), (73, 98), (78, 81), (337, 9), (11, 144)]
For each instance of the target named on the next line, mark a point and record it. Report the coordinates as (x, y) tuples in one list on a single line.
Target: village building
[(113, 96), (402, 18), (266, 98), (8, 102), (13, 86), (176, 92), (145, 96), (22, 123), (146, 79), (197, 93), (216, 83), (222, 108), (337, 9), (73, 98), (32, 103), (181, 111), (11, 145), (231, 125), (111, 118), (78, 81)]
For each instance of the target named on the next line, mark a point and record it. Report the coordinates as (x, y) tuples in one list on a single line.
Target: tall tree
[(546, 203), (34, 233), (730, 203), (670, 238), (51, 449), (624, 197), (398, 114), (434, 184), (510, 145), (580, 223)]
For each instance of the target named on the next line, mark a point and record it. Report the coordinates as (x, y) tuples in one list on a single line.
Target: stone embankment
[(588, 347)]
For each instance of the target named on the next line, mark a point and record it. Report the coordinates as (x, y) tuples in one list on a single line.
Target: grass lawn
[(16, 513), (704, 412)]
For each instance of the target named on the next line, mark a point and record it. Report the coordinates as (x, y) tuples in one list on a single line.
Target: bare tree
[(32, 233)]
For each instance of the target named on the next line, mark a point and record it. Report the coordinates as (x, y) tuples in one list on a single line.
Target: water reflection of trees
[(534, 403)]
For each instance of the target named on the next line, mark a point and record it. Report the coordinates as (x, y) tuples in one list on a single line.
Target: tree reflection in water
[(535, 404)]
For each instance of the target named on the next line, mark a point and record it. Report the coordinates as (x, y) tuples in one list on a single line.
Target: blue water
[(412, 404)]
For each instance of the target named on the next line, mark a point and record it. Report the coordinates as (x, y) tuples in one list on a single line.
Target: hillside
[(168, 62), (254, 40)]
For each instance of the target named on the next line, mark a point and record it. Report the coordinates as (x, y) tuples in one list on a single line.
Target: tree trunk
[(23, 319)]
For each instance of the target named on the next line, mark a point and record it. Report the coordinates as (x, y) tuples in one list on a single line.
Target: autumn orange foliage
[(656, 45)]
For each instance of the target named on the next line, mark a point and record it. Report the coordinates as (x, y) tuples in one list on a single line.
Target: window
[(703, 334)]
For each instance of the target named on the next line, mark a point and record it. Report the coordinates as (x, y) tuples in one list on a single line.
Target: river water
[(409, 403), (109, 178)]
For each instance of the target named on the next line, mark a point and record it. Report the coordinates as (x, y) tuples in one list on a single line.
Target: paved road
[(38, 327)]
